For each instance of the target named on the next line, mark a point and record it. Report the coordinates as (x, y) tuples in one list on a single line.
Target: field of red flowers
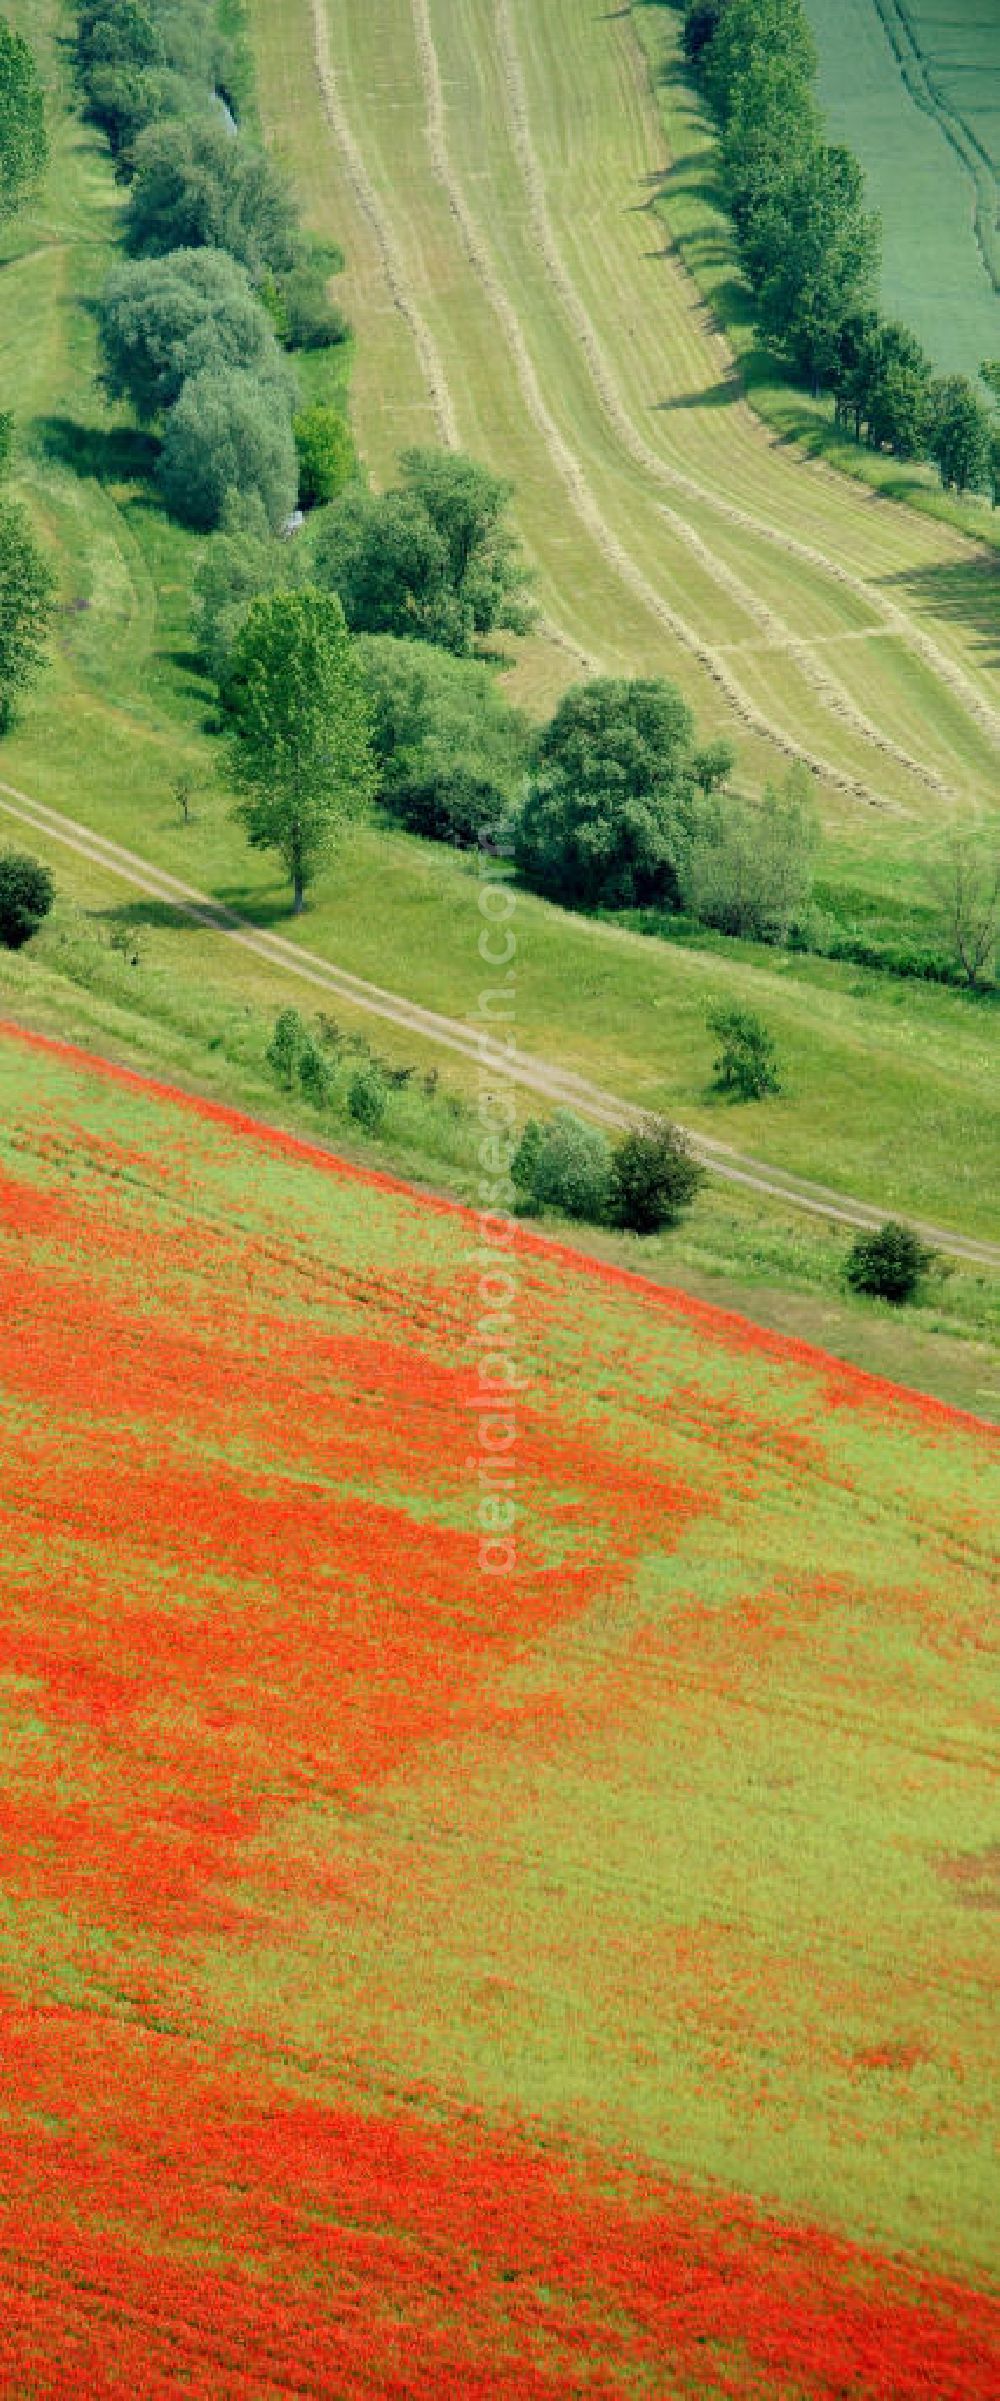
[(445, 1964)]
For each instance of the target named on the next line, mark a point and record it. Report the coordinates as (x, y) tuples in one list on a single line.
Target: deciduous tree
[(609, 804), (26, 589), (300, 752), (228, 433), (161, 320)]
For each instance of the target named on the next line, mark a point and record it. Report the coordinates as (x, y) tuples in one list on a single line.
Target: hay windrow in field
[(414, 1980)]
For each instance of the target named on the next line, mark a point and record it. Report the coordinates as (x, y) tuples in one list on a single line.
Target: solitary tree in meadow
[(300, 751)]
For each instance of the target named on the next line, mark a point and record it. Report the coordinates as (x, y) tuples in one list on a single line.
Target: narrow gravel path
[(552, 1083)]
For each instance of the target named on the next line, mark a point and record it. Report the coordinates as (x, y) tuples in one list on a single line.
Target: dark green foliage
[(26, 896), (965, 879), (809, 249), (654, 1176), (227, 433), (820, 263), (315, 1074), (889, 1264), (162, 320), (309, 319), (960, 435), (23, 143), (325, 452), (6, 442), (300, 752), (26, 590), (748, 869), (367, 1097), (286, 1047), (701, 20), (297, 1061), (196, 185), (883, 381), (747, 1065), (608, 809), (140, 62), (565, 1165), (431, 560), (451, 751), (467, 505)]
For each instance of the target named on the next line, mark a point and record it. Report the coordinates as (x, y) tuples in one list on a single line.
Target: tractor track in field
[(565, 461), (466, 1037), (827, 686), (714, 658), (366, 197)]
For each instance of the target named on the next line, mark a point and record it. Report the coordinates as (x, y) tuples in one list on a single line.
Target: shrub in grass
[(314, 1073), (26, 896), (564, 1165), (286, 1046), (890, 1264), (747, 1065), (654, 1175), (367, 1095)]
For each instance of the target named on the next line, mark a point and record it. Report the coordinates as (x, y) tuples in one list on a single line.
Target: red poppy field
[(446, 1964)]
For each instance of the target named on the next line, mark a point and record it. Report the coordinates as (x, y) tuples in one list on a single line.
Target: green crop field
[(913, 86)]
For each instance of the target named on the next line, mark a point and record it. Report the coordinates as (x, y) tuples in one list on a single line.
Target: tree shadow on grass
[(965, 594), (118, 454), (716, 395)]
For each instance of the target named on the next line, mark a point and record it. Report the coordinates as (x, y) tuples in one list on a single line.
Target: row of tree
[(810, 249), (220, 284), (26, 585)]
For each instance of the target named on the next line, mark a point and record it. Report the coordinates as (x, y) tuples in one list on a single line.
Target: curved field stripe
[(721, 572)]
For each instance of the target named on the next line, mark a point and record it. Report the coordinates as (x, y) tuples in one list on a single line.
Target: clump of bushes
[(642, 1184), (747, 1065), (654, 1177), (27, 892), (889, 1264), (565, 1165)]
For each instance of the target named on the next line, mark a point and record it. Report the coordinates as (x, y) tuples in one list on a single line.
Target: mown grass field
[(915, 91), (422, 1981)]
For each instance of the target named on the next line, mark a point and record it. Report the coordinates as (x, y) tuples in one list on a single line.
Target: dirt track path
[(552, 1083)]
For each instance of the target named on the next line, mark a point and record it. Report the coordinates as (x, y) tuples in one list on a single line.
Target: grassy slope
[(120, 710), (675, 1876), (934, 275)]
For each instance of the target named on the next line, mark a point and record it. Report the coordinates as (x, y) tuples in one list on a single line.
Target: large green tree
[(161, 320), (609, 807), (26, 588), (23, 143), (196, 185), (228, 433), (300, 751), (959, 437), (818, 252), (434, 559)]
